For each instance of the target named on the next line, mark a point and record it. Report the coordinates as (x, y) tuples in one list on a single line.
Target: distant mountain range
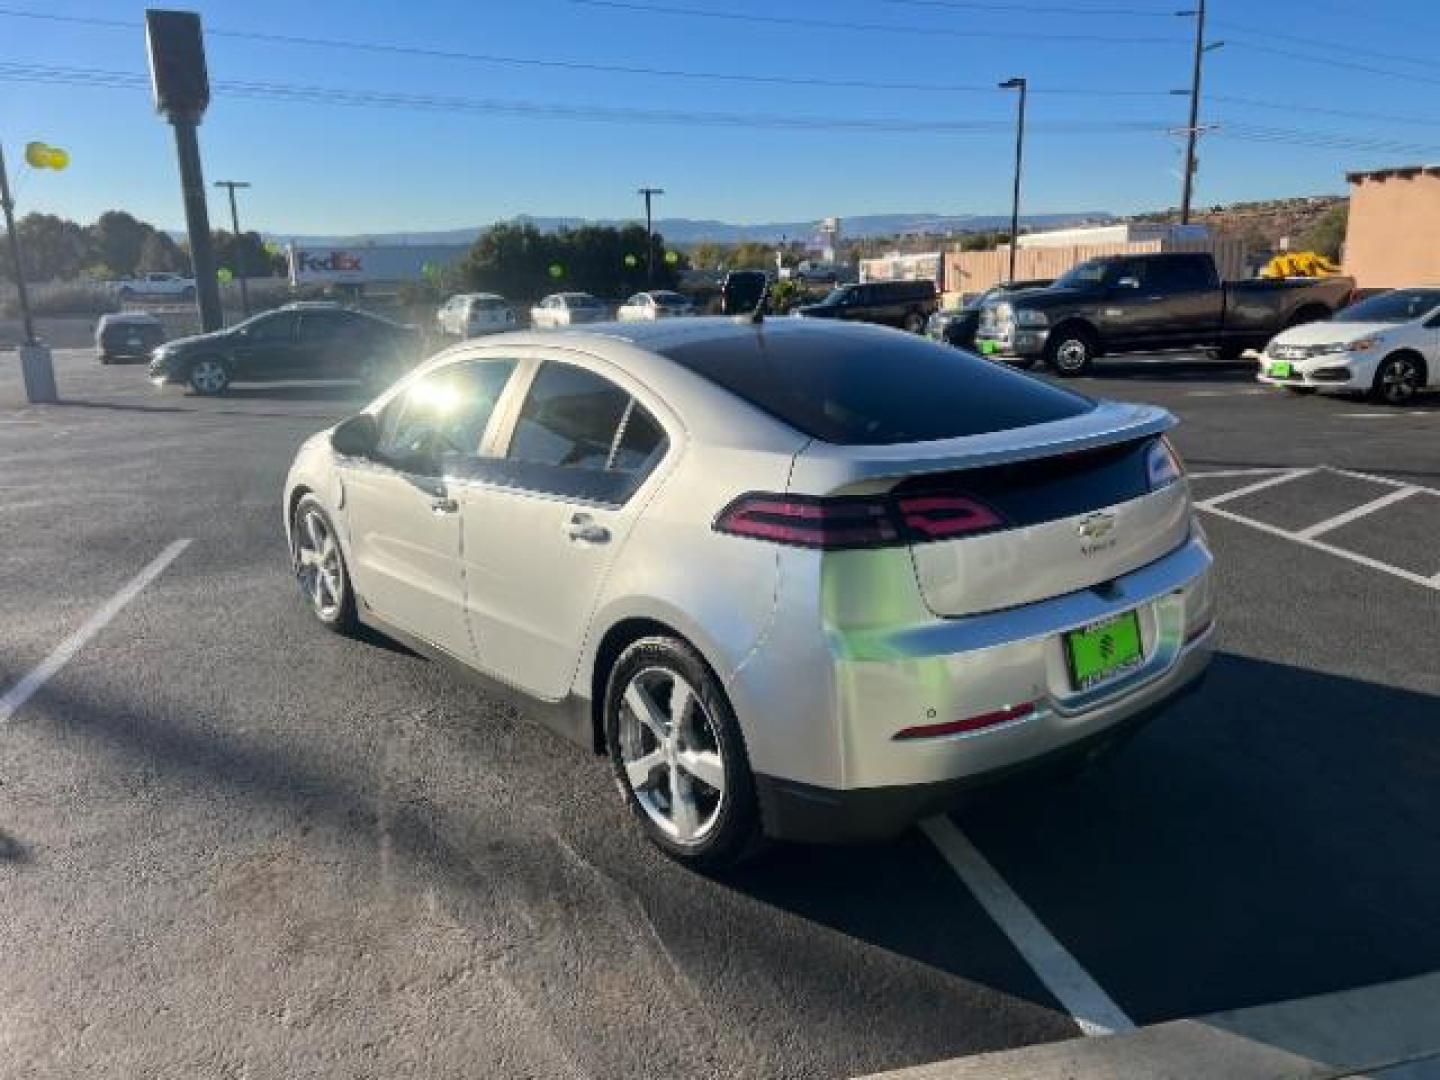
[(687, 231)]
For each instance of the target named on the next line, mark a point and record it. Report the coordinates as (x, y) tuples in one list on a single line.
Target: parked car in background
[(906, 304), (568, 309), (1387, 346), (127, 335), (468, 315), (667, 543), (957, 326), (155, 286), (297, 341), (741, 290), (656, 304), (1139, 303)]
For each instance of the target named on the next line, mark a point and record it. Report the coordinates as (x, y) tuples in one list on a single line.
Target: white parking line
[(1061, 973), (1386, 480), (38, 676), (1357, 513), (1329, 549), (1274, 481), (1217, 474)]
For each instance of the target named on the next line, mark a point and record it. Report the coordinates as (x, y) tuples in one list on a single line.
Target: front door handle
[(444, 505), (586, 530)]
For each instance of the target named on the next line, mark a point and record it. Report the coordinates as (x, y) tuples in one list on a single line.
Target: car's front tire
[(1070, 351), (208, 376), (1398, 379), (320, 566), (678, 755)]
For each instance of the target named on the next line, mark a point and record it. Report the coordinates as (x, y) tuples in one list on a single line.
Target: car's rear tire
[(208, 376), (915, 322), (1070, 351), (678, 755), (1398, 379), (1231, 353), (320, 566), (106, 358)]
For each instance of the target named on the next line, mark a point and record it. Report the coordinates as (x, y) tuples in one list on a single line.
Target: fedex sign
[(330, 264)]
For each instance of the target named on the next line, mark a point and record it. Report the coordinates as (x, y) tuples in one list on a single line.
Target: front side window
[(579, 435), (442, 414)]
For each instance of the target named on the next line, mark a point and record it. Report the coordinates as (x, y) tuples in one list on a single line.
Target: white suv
[(468, 315)]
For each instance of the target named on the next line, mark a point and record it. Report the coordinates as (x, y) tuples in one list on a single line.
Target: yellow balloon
[(37, 154), (58, 158)]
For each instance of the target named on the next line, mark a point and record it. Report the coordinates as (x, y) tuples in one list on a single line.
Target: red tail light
[(836, 524)]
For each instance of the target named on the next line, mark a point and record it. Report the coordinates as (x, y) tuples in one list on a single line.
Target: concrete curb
[(1389, 1030)]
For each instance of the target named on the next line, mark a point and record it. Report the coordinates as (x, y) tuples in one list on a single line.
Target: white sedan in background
[(468, 315), (568, 309), (1387, 346), (657, 304)]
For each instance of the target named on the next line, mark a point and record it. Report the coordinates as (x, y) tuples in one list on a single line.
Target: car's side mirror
[(357, 436)]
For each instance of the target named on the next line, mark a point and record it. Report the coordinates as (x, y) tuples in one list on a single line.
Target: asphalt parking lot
[(233, 844)]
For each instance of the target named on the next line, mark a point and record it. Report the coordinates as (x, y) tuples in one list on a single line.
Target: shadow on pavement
[(11, 850), (1276, 836)]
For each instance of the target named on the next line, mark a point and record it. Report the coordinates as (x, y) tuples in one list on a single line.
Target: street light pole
[(649, 193), (1022, 85), (239, 247)]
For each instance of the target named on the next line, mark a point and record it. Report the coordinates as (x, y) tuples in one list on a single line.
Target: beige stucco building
[(1394, 234)]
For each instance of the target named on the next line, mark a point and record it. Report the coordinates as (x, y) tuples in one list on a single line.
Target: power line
[(869, 28), (1030, 9), (1322, 43), (1330, 62), (1322, 110), (433, 53), (31, 73)]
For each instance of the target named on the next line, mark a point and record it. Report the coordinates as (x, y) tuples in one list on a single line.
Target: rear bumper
[(810, 814)]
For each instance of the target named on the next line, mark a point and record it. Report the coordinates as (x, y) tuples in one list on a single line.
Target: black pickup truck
[(1139, 303)]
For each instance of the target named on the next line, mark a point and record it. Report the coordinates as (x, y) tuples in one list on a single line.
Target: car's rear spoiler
[(822, 468)]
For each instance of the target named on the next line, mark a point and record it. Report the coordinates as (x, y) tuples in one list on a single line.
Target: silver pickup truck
[(1139, 303)]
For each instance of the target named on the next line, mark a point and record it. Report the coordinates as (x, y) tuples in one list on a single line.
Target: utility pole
[(1023, 86), (35, 363), (1192, 131), (649, 193), (239, 247)]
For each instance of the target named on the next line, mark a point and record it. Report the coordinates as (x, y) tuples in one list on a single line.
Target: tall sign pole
[(1023, 86), (182, 92)]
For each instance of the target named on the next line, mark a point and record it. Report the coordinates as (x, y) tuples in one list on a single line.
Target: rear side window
[(875, 388), (580, 436)]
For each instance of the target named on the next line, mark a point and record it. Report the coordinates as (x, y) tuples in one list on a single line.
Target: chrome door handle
[(585, 529), (443, 505)]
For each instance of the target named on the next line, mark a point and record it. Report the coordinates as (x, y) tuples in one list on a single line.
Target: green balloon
[(224, 275), (556, 271), (672, 257), (631, 261)]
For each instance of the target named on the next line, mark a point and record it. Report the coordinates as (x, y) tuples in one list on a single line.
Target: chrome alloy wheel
[(1399, 380), (1072, 355), (208, 376), (671, 754), (317, 564)]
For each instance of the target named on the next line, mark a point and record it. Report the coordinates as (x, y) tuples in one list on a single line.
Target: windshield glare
[(836, 296), (1402, 305)]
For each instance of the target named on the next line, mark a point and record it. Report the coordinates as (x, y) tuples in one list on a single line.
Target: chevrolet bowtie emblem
[(1095, 526)]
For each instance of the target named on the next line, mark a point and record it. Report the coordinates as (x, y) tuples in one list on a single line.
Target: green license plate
[(1281, 369), (989, 348), (1103, 650)]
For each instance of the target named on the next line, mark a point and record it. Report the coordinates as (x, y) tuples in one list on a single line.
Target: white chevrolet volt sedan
[(797, 579)]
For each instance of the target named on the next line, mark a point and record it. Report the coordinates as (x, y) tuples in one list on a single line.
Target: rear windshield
[(487, 303), (873, 388)]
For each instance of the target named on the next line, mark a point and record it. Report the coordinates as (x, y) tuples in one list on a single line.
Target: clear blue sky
[(328, 168)]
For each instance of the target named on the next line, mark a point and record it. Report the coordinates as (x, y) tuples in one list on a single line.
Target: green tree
[(116, 239), (244, 254), (1327, 236), (519, 261), (159, 252), (51, 247)]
